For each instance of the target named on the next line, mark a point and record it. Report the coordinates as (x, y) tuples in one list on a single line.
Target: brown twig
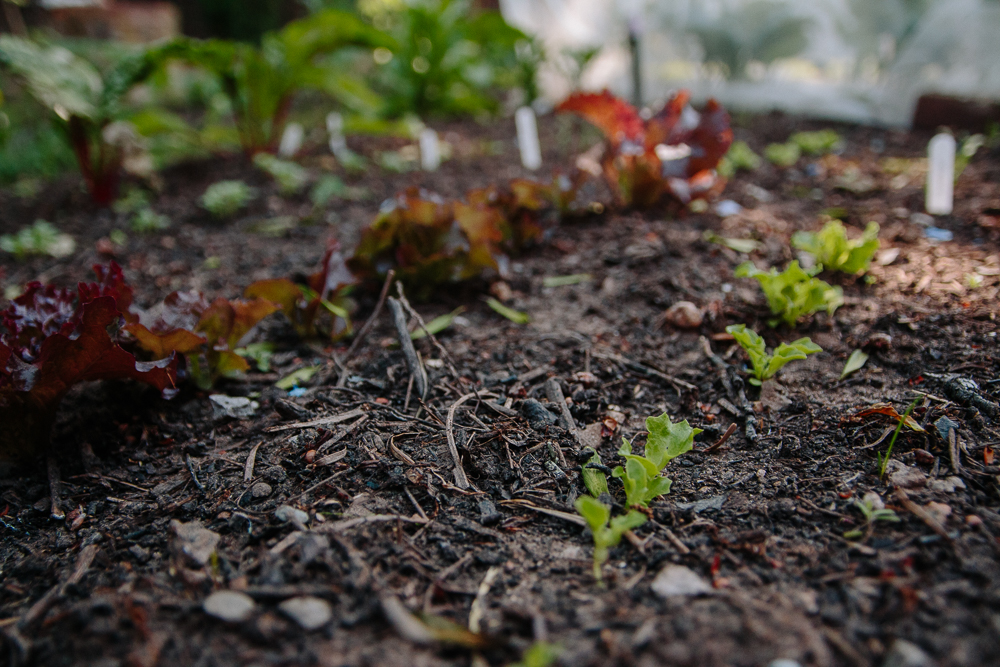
[(461, 481), (365, 328), (722, 440), (420, 322), (554, 393), (37, 610), (406, 345), (922, 514)]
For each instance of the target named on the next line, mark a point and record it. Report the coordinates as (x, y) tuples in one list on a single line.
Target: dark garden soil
[(758, 525)]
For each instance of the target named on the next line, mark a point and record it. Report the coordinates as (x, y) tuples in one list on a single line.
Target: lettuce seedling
[(595, 480), (56, 338), (146, 220), (870, 507), (607, 531), (641, 474), (648, 159), (740, 156), (793, 293), (320, 308), (225, 198), (290, 176), (41, 238), (831, 247), (765, 365), (783, 155), (820, 142)]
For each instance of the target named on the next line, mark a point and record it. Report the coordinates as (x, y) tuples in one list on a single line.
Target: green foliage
[(835, 251), (765, 365), (641, 474), (871, 514), (966, 151), (607, 532), (41, 238), (783, 155), (854, 363), (883, 462), (539, 654), (290, 176), (261, 82), (793, 293), (225, 198), (740, 156), (146, 221), (820, 142), (447, 58), (595, 480), (515, 316)]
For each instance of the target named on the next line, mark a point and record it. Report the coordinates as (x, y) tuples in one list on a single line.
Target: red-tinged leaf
[(161, 345), (110, 282), (636, 180), (616, 118), (481, 224), (890, 411), (988, 456), (181, 310), (246, 315), (710, 140), (229, 364), (531, 195), (281, 291), (660, 128), (335, 273), (216, 322)]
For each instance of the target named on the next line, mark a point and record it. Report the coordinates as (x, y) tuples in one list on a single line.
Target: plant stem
[(884, 463)]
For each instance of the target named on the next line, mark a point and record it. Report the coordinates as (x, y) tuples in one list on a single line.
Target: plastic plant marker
[(291, 140), (335, 128), (527, 138), (940, 175), (430, 150)]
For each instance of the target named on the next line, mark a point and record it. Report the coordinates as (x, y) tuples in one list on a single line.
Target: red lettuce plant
[(665, 155), (55, 338), (318, 308)]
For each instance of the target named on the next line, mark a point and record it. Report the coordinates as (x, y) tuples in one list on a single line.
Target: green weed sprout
[(793, 293), (607, 531), (595, 480), (641, 474), (225, 198), (740, 156), (816, 143), (872, 514), (831, 247), (41, 238), (539, 654), (783, 155), (883, 463), (290, 176), (146, 220), (765, 365)]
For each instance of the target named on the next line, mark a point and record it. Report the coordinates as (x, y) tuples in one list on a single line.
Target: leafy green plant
[(539, 654), (607, 532), (872, 513), (85, 104), (966, 151), (641, 474), (146, 221), (261, 82), (765, 365), (783, 155), (225, 198), (831, 247), (290, 176), (883, 462), (648, 159), (819, 142), (740, 156), (41, 238), (593, 478), (793, 293)]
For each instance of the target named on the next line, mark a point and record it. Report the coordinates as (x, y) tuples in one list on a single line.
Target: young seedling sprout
[(883, 463), (765, 365), (873, 510)]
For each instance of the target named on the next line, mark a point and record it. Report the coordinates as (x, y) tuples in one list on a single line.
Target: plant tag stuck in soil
[(430, 150), (291, 140), (940, 174), (527, 138), (335, 128)]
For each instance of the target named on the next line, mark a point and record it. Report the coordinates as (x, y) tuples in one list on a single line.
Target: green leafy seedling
[(593, 478), (883, 462), (831, 247), (765, 365), (607, 531), (225, 198), (872, 514), (515, 316), (783, 155), (41, 238), (740, 156), (641, 474), (854, 363), (290, 176), (146, 220), (793, 293), (539, 654), (820, 142)]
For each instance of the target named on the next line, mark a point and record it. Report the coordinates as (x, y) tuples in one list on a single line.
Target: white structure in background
[(857, 60), (940, 174), (527, 138), (335, 128), (291, 140), (430, 150)]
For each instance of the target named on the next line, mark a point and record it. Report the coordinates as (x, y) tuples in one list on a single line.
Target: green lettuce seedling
[(641, 474), (740, 156), (816, 143), (607, 531), (793, 293), (290, 176), (831, 247), (225, 198), (783, 155), (41, 238), (765, 365), (595, 480), (867, 507)]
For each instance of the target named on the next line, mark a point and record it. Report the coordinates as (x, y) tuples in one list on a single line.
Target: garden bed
[(760, 525)]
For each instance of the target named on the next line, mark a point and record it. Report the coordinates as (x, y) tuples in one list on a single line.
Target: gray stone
[(229, 606), (538, 415), (309, 612), (289, 514), (232, 407), (904, 476), (906, 654), (946, 485), (194, 541), (260, 490), (677, 580)]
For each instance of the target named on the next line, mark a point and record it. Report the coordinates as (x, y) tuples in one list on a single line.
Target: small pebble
[(260, 490), (232, 407), (309, 612), (229, 606), (906, 654), (291, 515), (938, 234), (727, 207), (973, 521), (684, 315), (784, 662), (677, 580)]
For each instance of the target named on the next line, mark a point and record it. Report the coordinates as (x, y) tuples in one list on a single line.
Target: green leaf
[(787, 352), (260, 353), (793, 293), (620, 524), (831, 247), (783, 155), (594, 512), (438, 324), (765, 366), (817, 143), (753, 345), (854, 363), (667, 441), (595, 480), (562, 281), (296, 378), (515, 316), (63, 82), (739, 245)]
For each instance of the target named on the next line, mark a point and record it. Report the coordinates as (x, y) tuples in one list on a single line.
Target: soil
[(759, 524)]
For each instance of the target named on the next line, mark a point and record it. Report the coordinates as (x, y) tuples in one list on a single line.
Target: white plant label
[(940, 175), (527, 138), (430, 150), (335, 128), (291, 140)]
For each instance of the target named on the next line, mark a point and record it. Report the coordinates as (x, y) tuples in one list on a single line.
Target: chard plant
[(835, 252), (793, 293), (85, 103), (764, 365), (646, 160)]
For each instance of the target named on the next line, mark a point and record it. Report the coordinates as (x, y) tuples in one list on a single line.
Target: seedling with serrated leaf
[(871, 508), (641, 474), (607, 531), (794, 293), (831, 247), (765, 365), (593, 477), (225, 198)]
